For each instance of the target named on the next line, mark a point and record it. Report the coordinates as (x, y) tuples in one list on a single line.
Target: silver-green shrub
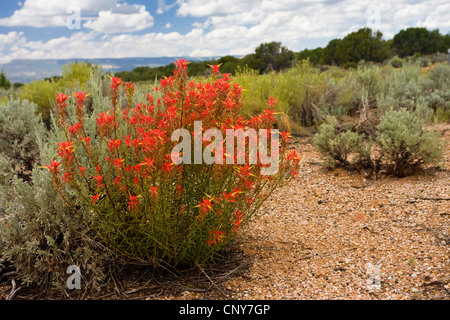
[(405, 142), (337, 147), (19, 129), (39, 233), (401, 145)]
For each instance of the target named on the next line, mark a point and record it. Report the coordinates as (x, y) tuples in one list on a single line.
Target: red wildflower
[(61, 99), (248, 184), (244, 171), (271, 102), (65, 150), (215, 69), (285, 136), (53, 167), (87, 140), (114, 144), (229, 105), (118, 163), (80, 97), (154, 191), (95, 198), (116, 181), (129, 88), (269, 115), (231, 196), (149, 163), (105, 123), (181, 64), (115, 82), (82, 170), (294, 173), (66, 177), (205, 206), (215, 236), (61, 104), (167, 167), (292, 156), (133, 203), (238, 216), (99, 180), (75, 129)]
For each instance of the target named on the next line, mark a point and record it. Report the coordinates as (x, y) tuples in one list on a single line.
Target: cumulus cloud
[(125, 18), (103, 16), (221, 27), (52, 13)]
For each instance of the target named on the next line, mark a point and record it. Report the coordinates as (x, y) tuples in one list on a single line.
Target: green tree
[(363, 44), (330, 51), (228, 64), (4, 82), (274, 56), (314, 55), (416, 40), (444, 44)]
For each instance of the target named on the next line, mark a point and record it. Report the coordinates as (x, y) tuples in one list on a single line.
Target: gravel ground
[(335, 235)]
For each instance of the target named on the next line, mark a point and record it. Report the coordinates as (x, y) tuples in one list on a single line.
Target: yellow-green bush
[(74, 77)]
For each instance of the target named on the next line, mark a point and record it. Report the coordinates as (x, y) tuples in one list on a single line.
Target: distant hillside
[(25, 71)]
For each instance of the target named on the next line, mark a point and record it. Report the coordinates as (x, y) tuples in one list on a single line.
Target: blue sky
[(40, 29)]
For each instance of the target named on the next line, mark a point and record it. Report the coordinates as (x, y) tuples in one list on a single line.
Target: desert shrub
[(116, 169), (437, 91), (405, 142), (369, 78), (397, 62), (6, 172), (41, 93), (401, 144), (338, 146), (75, 77), (400, 88), (20, 128), (342, 95), (41, 236)]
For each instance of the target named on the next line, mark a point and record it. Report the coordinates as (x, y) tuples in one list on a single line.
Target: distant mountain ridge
[(25, 70)]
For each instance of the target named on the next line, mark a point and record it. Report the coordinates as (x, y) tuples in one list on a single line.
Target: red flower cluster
[(130, 168), (215, 236), (61, 106)]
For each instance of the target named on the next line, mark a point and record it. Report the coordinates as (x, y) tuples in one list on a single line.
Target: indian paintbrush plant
[(125, 180)]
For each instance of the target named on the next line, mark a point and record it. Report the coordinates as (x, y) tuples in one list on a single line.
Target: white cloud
[(162, 6), (223, 27), (168, 25), (103, 16), (52, 13), (127, 19)]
